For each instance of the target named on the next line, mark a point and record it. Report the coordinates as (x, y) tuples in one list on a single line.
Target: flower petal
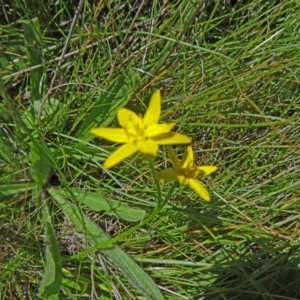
[(116, 135), (206, 170), (200, 189), (152, 114), (171, 138), (174, 160), (167, 175), (128, 118), (148, 147), (120, 154), (188, 158), (158, 129), (183, 180)]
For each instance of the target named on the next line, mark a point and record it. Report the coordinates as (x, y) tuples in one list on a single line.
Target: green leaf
[(97, 202), (11, 107), (105, 109), (95, 235), (50, 114), (3, 113), (50, 107), (81, 152), (34, 47), (11, 57), (12, 189), (50, 285), (41, 164), (7, 154)]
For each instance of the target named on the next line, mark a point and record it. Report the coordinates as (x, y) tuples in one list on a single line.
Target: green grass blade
[(105, 109), (97, 202), (12, 53), (50, 285), (12, 189), (95, 235), (41, 164), (34, 47), (9, 103)]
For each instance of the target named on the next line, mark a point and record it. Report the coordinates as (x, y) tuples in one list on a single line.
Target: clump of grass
[(229, 78)]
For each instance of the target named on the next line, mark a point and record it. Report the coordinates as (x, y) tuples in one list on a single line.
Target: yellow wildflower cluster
[(144, 134)]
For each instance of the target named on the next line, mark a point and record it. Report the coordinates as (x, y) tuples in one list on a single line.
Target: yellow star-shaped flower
[(139, 133), (186, 173)]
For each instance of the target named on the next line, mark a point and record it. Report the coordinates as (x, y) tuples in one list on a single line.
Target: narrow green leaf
[(41, 164), (77, 151), (15, 188), (10, 56), (105, 109), (7, 154), (95, 235), (34, 47), (3, 113), (11, 107), (97, 202), (50, 285), (50, 115), (51, 108)]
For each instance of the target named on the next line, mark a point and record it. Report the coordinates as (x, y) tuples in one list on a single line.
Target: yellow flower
[(186, 173), (139, 133)]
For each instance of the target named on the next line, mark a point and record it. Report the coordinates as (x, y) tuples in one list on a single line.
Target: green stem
[(160, 203), (151, 165), (164, 202)]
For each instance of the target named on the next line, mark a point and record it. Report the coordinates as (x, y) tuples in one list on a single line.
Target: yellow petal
[(200, 189), (148, 147), (116, 135), (182, 179), (167, 175), (171, 138), (188, 158), (152, 114), (174, 160), (158, 129), (128, 118), (206, 170), (120, 154)]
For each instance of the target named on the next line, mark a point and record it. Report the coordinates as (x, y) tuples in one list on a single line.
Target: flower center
[(136, 131), (192, 172)]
